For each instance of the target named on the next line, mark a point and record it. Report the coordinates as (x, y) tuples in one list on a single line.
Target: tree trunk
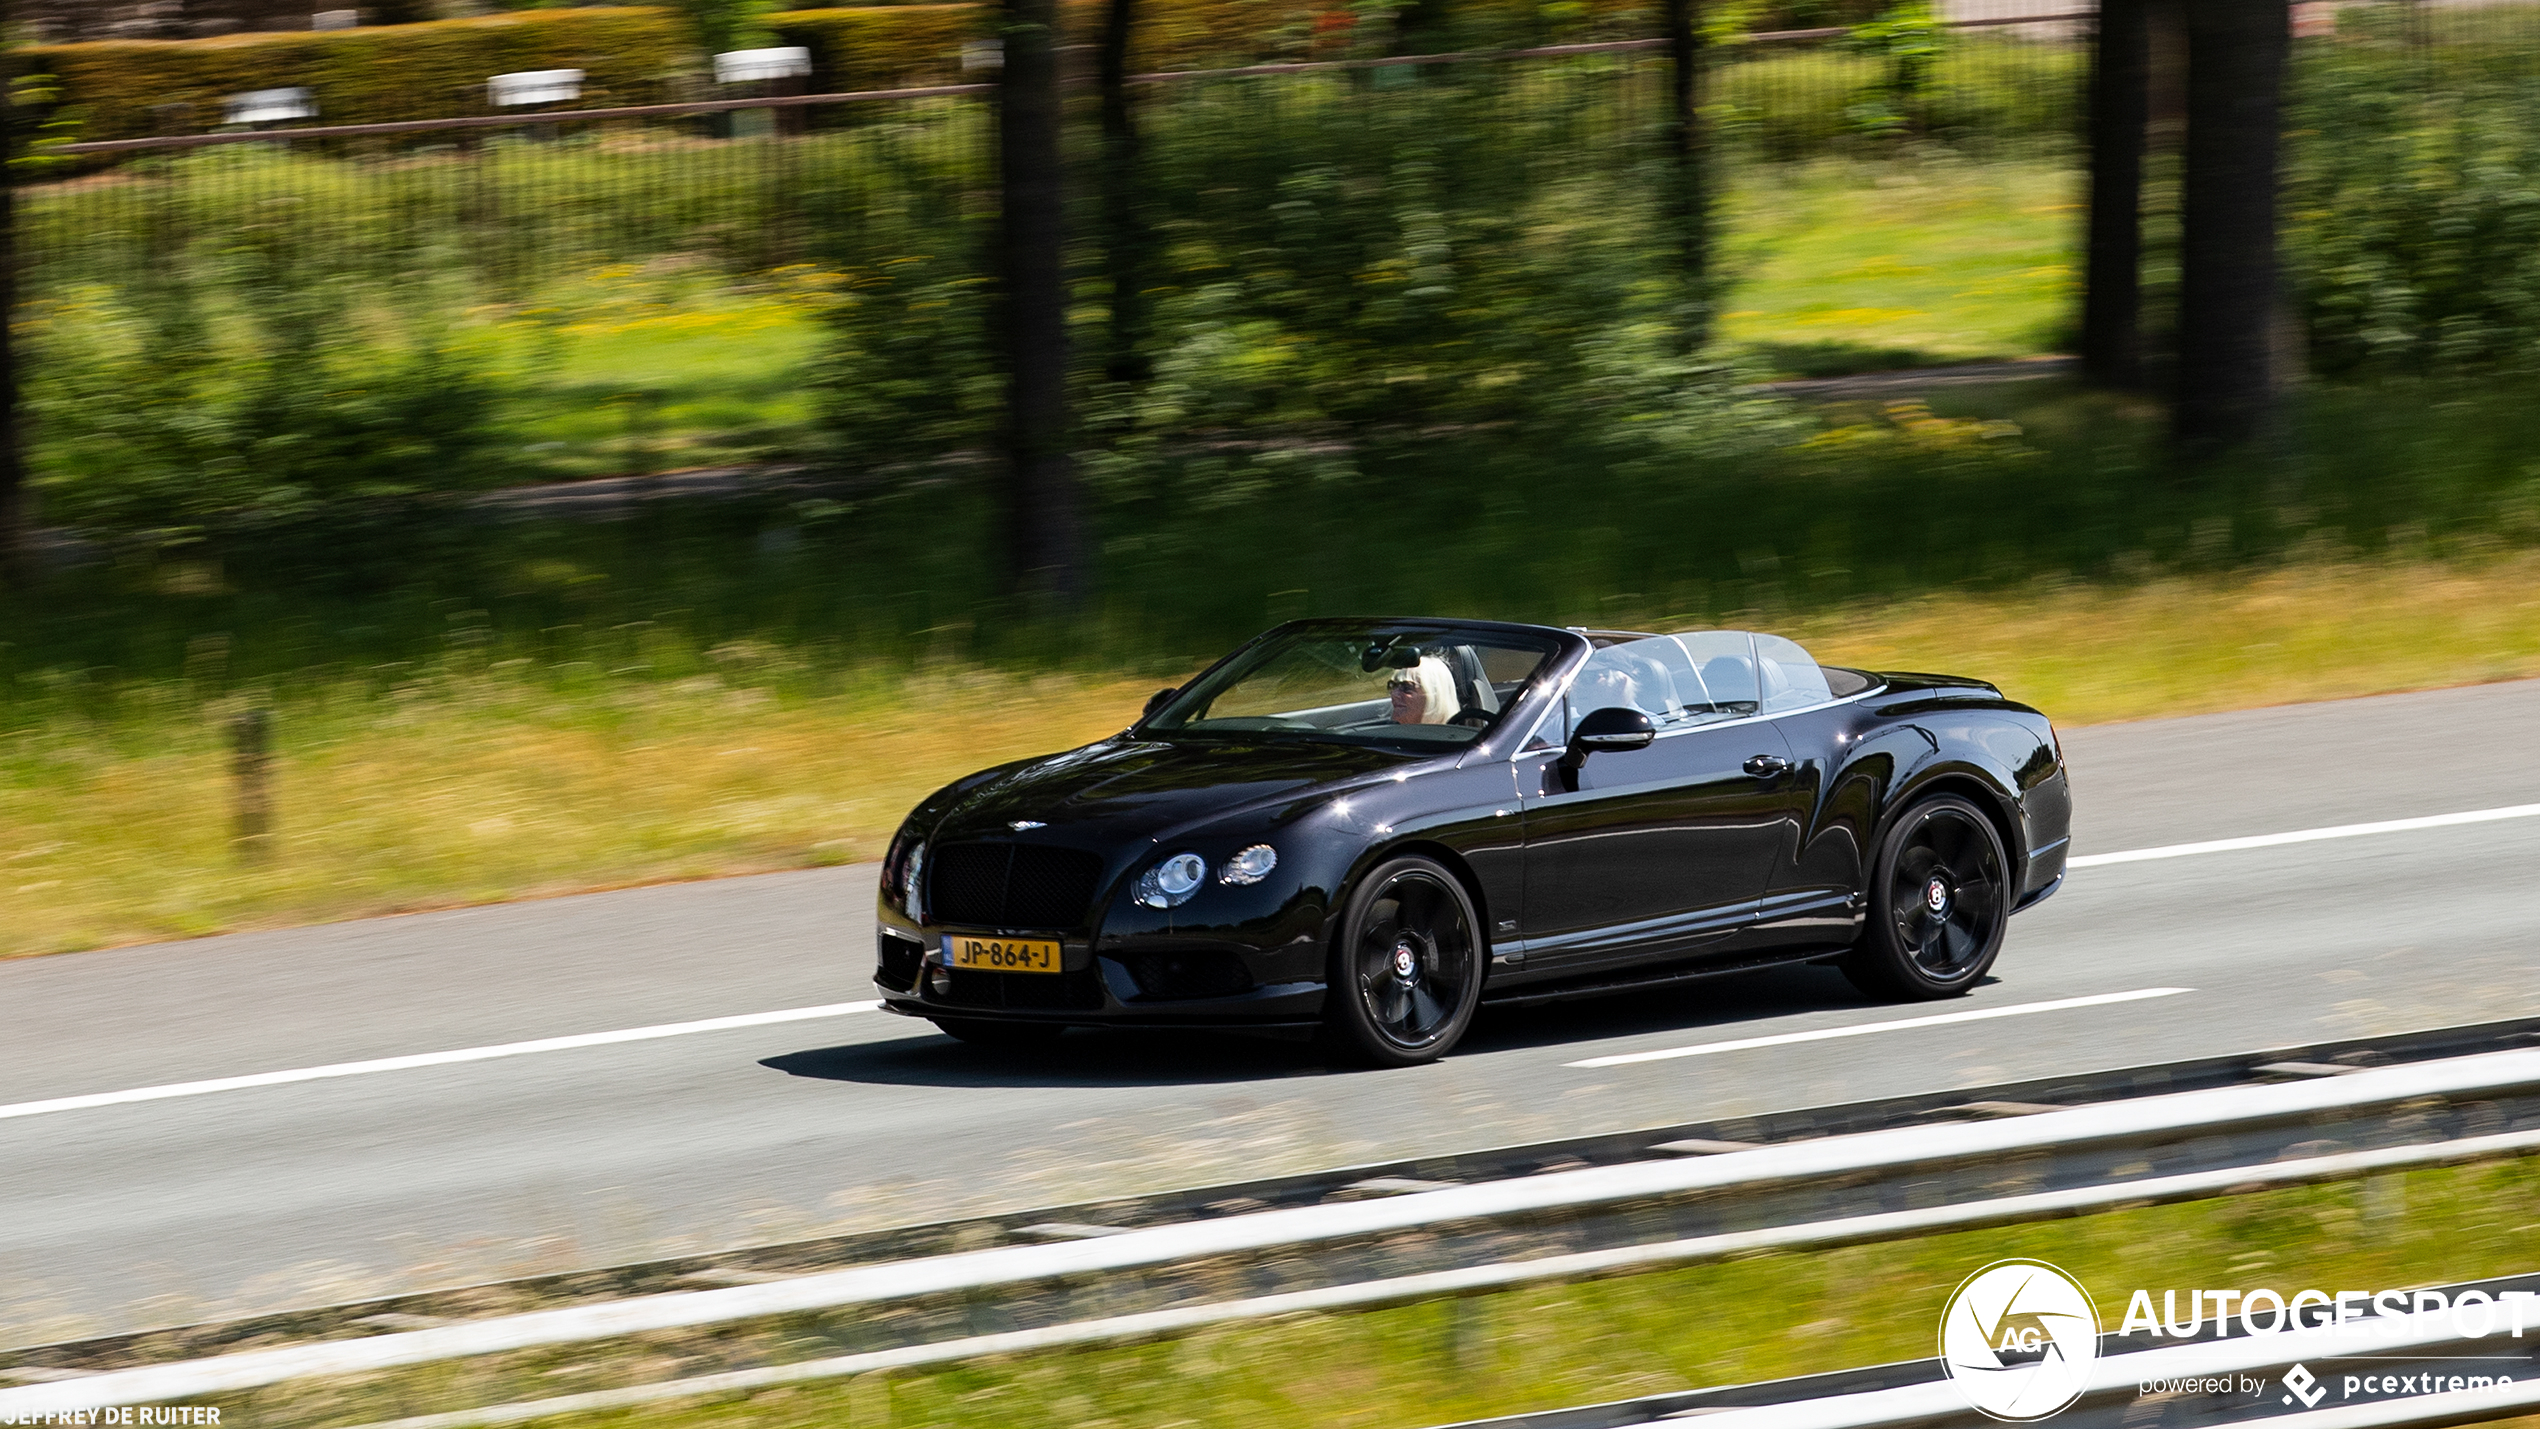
[(2112, 285), (1688, 156), (1044, 533), (2227, 242), (1124, 235), (16, 519)]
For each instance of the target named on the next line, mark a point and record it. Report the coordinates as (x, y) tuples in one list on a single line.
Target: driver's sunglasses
[(1410, 687)]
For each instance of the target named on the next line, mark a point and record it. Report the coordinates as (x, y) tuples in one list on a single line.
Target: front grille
[(896, 967), (1025, 992), (1197, 972), (1011, 885)]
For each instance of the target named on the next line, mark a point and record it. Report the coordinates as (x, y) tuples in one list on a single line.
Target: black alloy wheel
[(1940, 898), (1407, 972), (987, 1032)]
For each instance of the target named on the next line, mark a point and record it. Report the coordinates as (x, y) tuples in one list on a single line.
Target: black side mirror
[(1156, 702), (1606, 731)]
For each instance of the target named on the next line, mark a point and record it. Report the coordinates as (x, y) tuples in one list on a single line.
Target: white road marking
[(1827, 1034), (431, 1059), (2303, 836)]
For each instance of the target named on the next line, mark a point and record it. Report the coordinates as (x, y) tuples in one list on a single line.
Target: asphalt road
[(125, 1216)]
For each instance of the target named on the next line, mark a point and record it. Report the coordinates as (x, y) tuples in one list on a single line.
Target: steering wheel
[(1472, 717)]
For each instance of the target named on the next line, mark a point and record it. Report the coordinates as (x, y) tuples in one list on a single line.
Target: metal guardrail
[(795, 1258), (2223, 1133)]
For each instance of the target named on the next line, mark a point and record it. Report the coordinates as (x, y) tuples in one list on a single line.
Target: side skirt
[(1532, 994)]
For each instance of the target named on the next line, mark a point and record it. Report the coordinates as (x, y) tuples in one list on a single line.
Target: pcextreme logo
[(2018, 1338)]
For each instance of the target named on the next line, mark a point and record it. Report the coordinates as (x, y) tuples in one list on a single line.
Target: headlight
[(1250, 866), (1171, 883), (910, 883)]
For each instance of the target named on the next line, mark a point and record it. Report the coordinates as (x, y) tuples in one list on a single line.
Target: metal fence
[(848, 178)]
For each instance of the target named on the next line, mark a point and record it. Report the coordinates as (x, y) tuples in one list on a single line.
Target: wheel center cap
[(1406, 963), (1936, 896)]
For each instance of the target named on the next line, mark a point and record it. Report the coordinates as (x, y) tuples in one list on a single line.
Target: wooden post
[(251, 771)]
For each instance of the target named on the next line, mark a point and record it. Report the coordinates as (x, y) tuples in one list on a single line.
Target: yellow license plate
[(1003, 955)]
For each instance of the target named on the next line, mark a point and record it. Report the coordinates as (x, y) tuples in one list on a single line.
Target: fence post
[(250, 773), (2227, 239), (1688, 155), (1044, 537), (2120, 111)]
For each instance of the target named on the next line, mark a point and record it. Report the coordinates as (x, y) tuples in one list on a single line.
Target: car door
[(1653, 853)]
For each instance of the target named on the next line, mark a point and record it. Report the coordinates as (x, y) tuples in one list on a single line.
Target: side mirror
[(1156, 702), (1606, 731)]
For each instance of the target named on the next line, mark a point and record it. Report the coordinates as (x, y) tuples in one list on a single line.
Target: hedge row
[(127, 89), (882, 46)]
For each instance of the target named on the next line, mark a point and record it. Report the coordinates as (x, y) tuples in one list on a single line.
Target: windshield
[(1408, 686)]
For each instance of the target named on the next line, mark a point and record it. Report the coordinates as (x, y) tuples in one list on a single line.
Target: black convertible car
[(1374, 826)]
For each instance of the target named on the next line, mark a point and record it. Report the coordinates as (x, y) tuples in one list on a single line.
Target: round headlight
[(1171, 883), (1250, 866)]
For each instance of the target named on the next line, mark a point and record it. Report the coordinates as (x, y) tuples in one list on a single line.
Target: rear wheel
[(1939, 902), (982, 1032), (1408, 969)]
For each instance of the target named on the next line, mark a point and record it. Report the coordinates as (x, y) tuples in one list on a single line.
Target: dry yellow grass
[(489, 785)]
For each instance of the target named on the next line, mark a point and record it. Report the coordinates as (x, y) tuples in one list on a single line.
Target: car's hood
[(1131, 788)]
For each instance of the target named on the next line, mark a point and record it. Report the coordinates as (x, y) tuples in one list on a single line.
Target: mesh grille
[(897, 965), (1011, 885), (1030, 992), (1190, 973)]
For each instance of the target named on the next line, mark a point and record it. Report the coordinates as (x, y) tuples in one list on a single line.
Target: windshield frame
[(1560, 651)]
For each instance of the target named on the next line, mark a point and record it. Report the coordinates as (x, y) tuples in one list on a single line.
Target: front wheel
[(1407, 972), (1939, 902)]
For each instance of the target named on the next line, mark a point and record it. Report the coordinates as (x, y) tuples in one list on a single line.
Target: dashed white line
[(1828, 1034), (2303, 836), (431, 1059)]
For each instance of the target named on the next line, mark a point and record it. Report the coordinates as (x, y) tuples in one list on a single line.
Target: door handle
[(1766, 766)]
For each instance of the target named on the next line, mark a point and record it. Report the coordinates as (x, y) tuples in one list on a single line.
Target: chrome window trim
[(1523, 752)]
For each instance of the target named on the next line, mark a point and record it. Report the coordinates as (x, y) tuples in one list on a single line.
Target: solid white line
[(1827, 1034), (431, 1059), (2303, 836)]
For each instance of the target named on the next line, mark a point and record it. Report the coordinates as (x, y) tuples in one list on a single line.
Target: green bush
[(2412, 206), (167, 406), (130, 89)]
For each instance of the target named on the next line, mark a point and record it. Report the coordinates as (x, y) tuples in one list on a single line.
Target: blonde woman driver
[(1423, 693)]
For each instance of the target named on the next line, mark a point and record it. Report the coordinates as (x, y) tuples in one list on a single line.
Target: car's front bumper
[(1120, 982)]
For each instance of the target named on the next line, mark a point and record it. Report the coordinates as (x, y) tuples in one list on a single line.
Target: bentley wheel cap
[(1936, 897), (1406, 964)]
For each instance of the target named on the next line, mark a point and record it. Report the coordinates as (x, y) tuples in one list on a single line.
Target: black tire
[(983, 1032), (1940, 898), (1407, 970)]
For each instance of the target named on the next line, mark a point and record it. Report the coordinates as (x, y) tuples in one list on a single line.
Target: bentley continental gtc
[(1373, 827)]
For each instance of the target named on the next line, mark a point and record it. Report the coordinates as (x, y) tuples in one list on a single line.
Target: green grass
[(1845, 266)]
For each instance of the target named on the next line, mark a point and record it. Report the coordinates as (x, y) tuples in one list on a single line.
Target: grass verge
[(461, 781), (1549, 1346)]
